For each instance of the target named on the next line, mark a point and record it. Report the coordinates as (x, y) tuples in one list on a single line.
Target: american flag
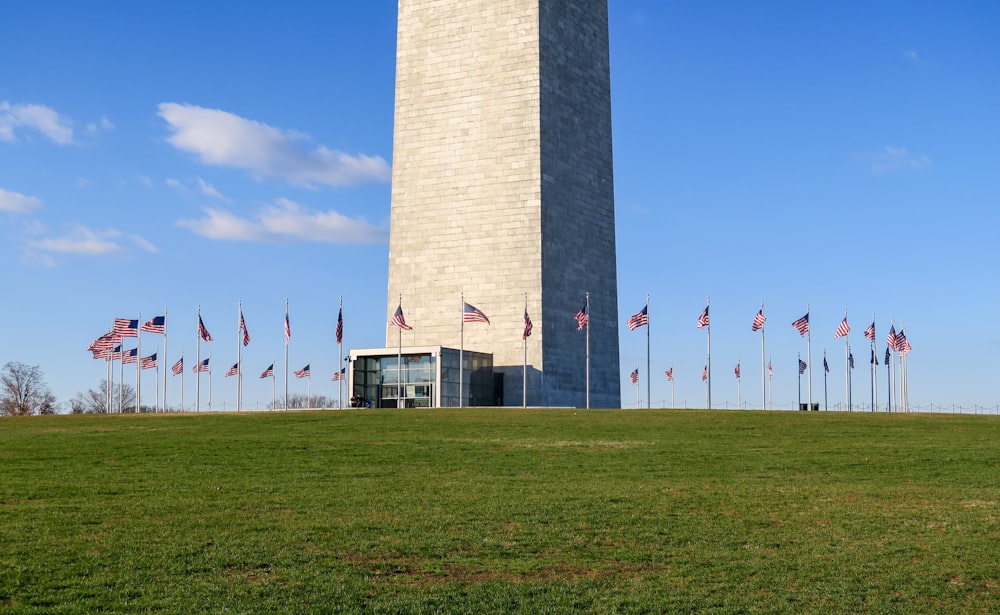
[(302, 373), (704, 373), (103, 353), (888, 355), (125, 327), (870, 332), (178, 366), (758, 321), (232, 371), (826, 366), (639, 319), (116, 353), (340, 326), (156, 324), (473, 314), (398, 321), (148, 362), (105, 341), (527, 326), (670, 374), (850, 359), (202, 367), (243, 329), (288, 328), (130, 356), (341, 375), (802, 324), (269, 372), (737, 370), (635, 376), (843, 329), (703, 319), (581, 317), (802, 367), (891, 340), (770, 370), (901, 344), (202, 331)]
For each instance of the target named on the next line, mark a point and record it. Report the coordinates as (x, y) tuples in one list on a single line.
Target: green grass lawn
[(493, 511)]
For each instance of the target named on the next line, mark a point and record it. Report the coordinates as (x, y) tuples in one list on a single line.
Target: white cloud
[(96, 127), (17, 203), (893, 159), (38, 117), (83, 240), (910, 54), (283, 221), (221, 138), (145, 180), (209, 190)]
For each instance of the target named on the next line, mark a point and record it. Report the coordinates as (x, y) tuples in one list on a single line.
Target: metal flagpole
[(649, 369), (874, 367), (809, 358), (739, 386), (121, 376), (197, 366), (209, 382), (461, 358), (524, 367), (399, 364), (273, 402), (888, 380), (673, 386), (850, 382), (763, 379), (182, 380), (588, 349), (157, 381), (847, 366), (771, 377), (288, 336), (708, 363), (309, 389), (340, 353), (798, 367), (239, 356), (638, 399), (138, 358), (826, 370), (165, 363)]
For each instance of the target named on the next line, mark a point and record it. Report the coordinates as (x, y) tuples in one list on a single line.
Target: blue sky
[(171, 155)]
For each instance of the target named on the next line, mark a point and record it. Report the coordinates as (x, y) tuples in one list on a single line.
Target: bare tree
[(95, 401), (23, 390), (299, 401)]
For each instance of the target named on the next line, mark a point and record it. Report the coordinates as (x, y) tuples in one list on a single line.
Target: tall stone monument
[(502, 188)]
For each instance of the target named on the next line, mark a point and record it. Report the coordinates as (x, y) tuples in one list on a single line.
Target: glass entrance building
[(423, 377)]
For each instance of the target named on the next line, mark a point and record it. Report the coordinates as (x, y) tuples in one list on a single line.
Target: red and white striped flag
[(758, 321), (843, 329), (802, 324), (178, 366), (232, 371)]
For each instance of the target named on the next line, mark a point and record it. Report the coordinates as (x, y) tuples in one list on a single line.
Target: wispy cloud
[(894, 159), (83, 240), (911, 55), (15, 118), (209, 190), (103, 125), (15, 202), (283, 221), (225, 139)]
